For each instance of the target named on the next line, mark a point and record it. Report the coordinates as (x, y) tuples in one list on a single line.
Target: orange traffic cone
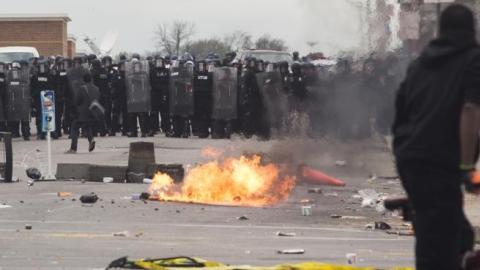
[(312, 176)]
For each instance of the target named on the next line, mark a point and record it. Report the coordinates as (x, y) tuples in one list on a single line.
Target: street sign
[(48, 110), (47, 99)]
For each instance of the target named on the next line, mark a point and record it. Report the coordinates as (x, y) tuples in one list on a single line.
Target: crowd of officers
[(264, 99)]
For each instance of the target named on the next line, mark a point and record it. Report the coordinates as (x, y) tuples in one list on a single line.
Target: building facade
[(48, 33)]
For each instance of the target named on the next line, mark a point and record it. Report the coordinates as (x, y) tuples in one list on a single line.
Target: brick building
[(46, 32)]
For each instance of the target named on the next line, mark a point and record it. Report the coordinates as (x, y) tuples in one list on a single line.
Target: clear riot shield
[(275, 102), (181, 90), (137, 79), (18, 97), (225, 85)]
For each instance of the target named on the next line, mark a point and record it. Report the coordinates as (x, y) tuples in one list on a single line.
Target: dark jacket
[(83, 99), (430, 100)]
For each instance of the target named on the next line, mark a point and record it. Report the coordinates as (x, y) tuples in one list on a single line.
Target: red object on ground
[(317, 177)]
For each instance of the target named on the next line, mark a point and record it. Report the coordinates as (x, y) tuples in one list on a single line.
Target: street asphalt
[(66, 234)]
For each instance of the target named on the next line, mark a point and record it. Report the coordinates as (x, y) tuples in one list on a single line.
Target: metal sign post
[(48, 124)]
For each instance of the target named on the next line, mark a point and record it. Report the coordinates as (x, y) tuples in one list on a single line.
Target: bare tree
[(200, 48), (170, 38), (238, 40), (266, 42)]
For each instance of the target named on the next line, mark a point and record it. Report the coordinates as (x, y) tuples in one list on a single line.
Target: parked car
[(10, 54)]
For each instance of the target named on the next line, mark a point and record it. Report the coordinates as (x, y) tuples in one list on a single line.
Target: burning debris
[(243, 181)]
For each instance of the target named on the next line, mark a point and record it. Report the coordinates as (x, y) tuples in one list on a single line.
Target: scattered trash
[(380, 208), (147, 180), (353, 217), (242, 218), (380, 225), (315, 190), (285, 234), (291, 251), (335, 216), (370, 227), (402, 233), (306, 201), (28, 226), (64, 194), (144, 196), (340, 163), (89, 198), (108, 179), (138, 234), (351, 258), (4, 206), (122, 234), (306, 210), (34, 173), (334, 194), (30, 183), (369, 197), (372, 178)]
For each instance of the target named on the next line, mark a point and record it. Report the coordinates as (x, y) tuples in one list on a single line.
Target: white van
[(10, 54)]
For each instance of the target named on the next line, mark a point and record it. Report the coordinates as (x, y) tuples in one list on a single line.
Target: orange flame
[(240, 182)]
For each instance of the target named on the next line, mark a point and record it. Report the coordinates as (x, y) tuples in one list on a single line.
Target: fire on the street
[(243, 181)]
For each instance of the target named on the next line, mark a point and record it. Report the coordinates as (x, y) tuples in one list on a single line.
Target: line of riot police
[(181, 97)]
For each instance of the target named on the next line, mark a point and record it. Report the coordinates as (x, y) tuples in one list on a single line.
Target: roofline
[(35, 17)]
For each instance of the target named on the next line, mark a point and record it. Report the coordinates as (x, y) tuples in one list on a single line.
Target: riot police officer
[(41, 81), (3, 89), (62, 67), (119, 100), (202, 83), (101, 79), (159, 79), (19, 100)]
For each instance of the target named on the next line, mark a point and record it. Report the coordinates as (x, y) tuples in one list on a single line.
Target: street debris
[(147, 181), (351, 258), (306, 210), (34, 173), (306, 201), (144, 196), (89, 198), (335, 216), (333, 194), (62, 194), (121, 234), (315, 190), (340, 163), (291, 251), (402, 233), (242, 218), (107, 179), (4, 206), (30, 183), (379, 225), (353, 217), (286, 234), (28, 226), (138, 234), (369, 198)]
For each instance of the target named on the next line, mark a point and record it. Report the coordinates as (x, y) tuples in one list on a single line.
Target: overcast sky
[(333, 23)]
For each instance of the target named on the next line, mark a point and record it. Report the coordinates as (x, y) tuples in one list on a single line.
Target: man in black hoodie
[(84, 118), (436, 138)]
